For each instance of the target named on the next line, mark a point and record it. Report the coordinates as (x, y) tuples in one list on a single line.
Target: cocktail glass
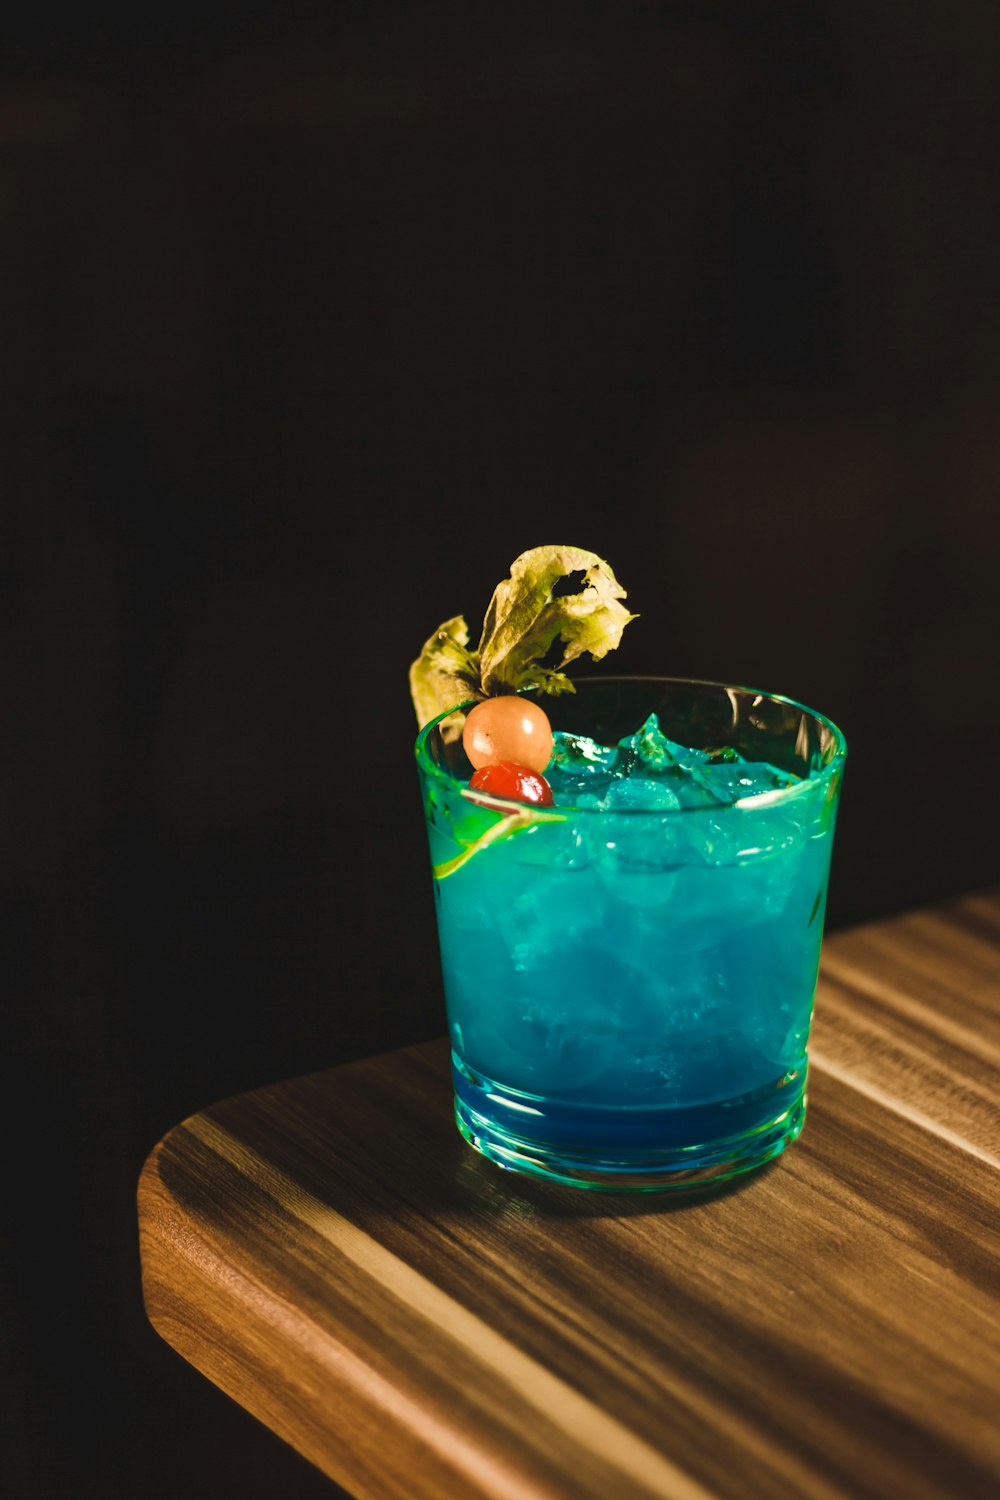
[(629, 992)]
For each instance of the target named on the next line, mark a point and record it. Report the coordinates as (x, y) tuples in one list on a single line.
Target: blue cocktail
[(629, 974)]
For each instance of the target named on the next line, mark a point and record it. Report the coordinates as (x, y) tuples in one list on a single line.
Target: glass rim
[(430, 767)]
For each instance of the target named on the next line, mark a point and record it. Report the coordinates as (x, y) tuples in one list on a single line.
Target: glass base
[(624, 1165)]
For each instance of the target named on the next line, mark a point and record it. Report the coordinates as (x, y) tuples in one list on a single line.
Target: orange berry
[(509, 728)]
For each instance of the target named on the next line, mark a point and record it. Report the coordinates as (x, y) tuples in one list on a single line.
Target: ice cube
[(649, 748), (580, 768), (546, 909), (641, 794), (576, 755), (734, 780), (555, 845)]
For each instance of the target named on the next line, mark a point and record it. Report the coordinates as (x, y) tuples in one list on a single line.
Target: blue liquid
[(629, 996)]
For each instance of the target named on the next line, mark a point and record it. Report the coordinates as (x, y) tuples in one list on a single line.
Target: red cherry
[(508, 779)]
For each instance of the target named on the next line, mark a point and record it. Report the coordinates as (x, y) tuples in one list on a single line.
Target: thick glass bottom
[(628, 1149)]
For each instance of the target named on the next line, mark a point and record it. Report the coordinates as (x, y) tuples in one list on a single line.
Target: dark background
[(310, 324)]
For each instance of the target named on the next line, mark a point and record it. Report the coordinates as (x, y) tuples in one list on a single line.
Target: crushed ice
[(647, 771)]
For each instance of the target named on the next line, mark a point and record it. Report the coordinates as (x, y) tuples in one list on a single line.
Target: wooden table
[(420, 1324)]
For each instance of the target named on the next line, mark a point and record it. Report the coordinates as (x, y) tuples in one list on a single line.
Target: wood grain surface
[(422, 1325)]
